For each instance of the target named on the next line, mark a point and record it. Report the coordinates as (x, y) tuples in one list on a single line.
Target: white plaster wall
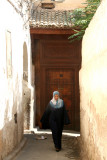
[(93, 86), (11, 95)]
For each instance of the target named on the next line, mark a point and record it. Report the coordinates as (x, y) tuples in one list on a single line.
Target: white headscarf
[(54, 103)]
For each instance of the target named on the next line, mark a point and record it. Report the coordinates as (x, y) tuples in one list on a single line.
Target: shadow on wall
[(25, 62), (26, 90), (1, 143)]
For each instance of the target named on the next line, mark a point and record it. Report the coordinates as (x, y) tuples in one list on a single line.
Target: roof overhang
[(47, 31)]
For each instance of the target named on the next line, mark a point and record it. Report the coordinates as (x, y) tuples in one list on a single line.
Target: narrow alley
[(53, 75), (43, 149)]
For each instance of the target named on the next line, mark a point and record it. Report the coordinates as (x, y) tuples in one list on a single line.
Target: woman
[(54, 117)]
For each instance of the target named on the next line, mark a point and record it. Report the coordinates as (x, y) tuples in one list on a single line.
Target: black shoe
[(57, 149)]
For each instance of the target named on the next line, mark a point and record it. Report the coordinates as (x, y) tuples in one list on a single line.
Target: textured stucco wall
[(26, 104), (69, 4), (93, 87), (11, 92), (66, 4)]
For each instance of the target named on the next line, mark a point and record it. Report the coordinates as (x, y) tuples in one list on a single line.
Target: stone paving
[(71, 144), (44, 149)]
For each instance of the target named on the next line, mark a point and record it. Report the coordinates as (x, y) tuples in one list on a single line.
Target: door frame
[(77, 99)]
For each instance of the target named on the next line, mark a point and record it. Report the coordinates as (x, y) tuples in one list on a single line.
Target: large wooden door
[(62, 80), (57, 64)]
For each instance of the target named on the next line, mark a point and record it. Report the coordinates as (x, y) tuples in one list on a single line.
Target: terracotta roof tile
[(48, 18)]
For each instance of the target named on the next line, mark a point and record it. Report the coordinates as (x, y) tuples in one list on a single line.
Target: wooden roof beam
[(51, 31)]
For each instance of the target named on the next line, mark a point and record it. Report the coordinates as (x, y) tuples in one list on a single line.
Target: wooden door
[(62, 80)]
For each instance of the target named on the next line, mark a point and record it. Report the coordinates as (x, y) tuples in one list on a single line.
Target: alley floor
[(44, 149)]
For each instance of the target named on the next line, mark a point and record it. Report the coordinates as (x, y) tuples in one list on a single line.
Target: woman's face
[(56, 97)]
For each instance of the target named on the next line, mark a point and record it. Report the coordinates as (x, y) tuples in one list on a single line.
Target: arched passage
[(26, 90)]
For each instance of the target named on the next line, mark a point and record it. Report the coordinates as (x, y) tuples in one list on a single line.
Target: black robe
[(55, 119), (57, 114)]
